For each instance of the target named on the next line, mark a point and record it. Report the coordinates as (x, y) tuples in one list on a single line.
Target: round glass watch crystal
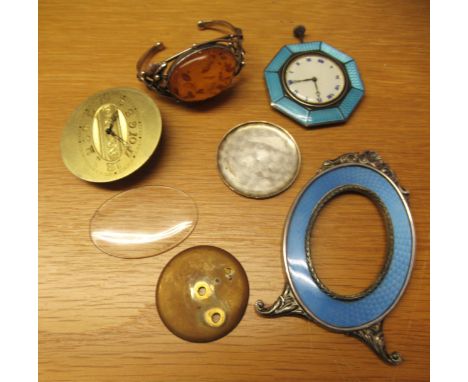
[(314, 79)]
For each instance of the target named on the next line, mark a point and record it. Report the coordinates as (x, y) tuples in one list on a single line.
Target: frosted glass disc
[(258, 159)]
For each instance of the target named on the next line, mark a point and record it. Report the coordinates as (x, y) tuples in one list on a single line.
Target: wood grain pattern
[(97, 316)]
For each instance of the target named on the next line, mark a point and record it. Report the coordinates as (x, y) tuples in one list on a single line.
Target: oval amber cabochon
[(202, 74)]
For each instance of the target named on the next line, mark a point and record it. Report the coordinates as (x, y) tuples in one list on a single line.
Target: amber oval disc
[(202, 74), (202, 294)]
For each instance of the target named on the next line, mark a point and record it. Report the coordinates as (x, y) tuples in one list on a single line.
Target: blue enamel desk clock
[(305, 295), (313, 83)]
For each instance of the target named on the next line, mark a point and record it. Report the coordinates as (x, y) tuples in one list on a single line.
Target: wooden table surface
[(97, 315)]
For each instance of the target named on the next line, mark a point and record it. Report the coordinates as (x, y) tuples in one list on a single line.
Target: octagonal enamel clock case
[(314, 83)]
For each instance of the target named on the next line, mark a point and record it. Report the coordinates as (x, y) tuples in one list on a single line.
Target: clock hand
[(305, 79), (314, 80), (111, 125), (317, 91), (118, 137), (111, 132)]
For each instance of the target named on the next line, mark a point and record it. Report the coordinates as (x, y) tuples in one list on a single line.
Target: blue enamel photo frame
[(304, 295)]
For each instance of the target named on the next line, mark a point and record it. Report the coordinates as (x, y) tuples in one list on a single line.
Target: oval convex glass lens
[(143, 222)]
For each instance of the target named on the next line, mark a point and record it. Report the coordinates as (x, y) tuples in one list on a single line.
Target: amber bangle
[(198, 73)]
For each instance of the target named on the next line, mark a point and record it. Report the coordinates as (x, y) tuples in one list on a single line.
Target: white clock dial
[(314, 79)]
